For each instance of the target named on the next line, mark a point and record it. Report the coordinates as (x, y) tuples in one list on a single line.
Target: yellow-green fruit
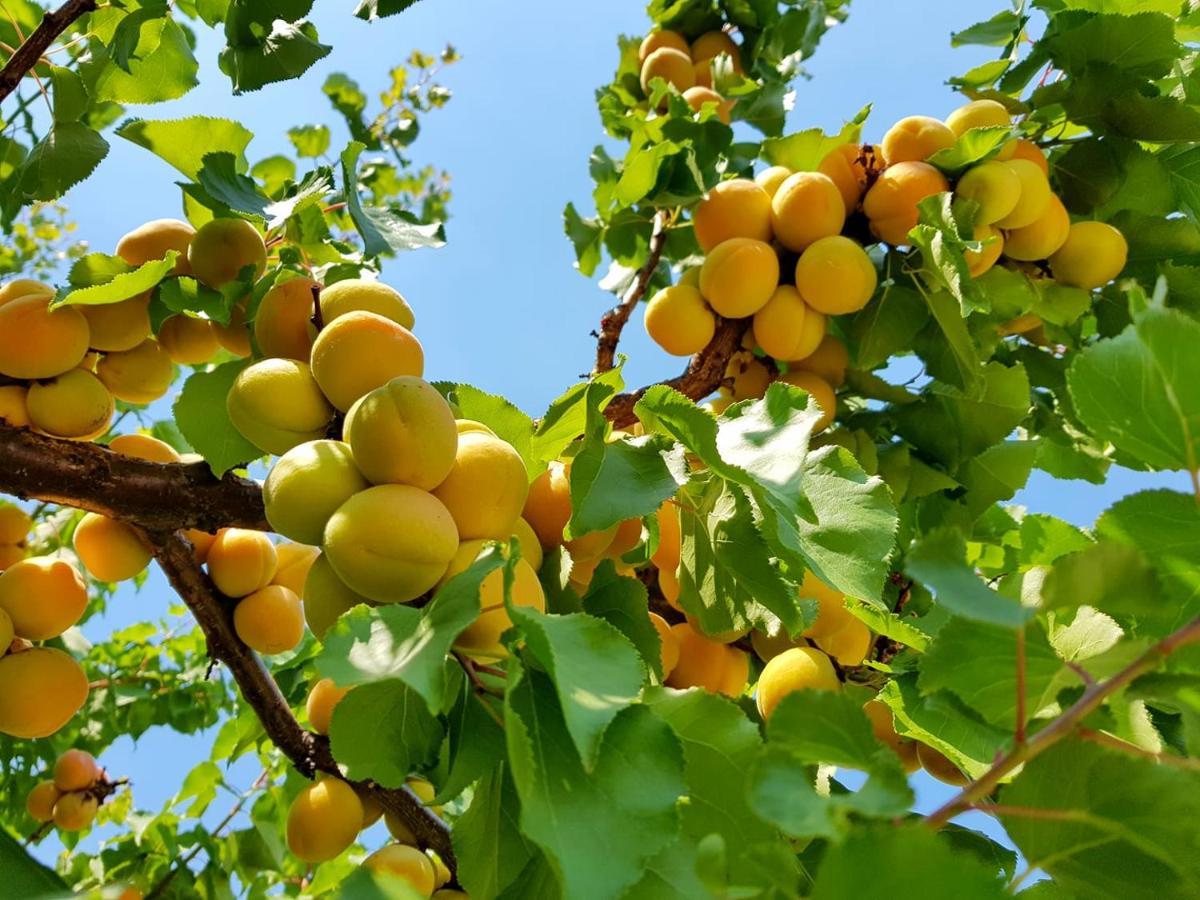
[(770, 179), (359, 294), (482, 637), (779, 327), (323, 820), (465, 425), (7, 632), (940, 767), (739, 276), (915, 138), (75, 770), (835, 276), (441, 873), (240, 561), (548, 505), (40, 802), (656, 40), (235, 337), (981, 114), (739, 208), (1093, 254), (699, 96), (326, 597), (845, 169), (324, 696), (527, 540), (43, 595), (994, 186), (1023, 149), (152, 241), (307, 485), (283, 324), (591, 545), (807, 207), (1041, 238), (277, 404), (118, 326), (23, 287), (270, 620), (707, 663), (222, 248), (674, 66), (849, 644), (979, 261), (293, 564), (14, 525), (143, 446), (108, 549), (1035, 195), (797, 669), (360, 351), (679, 321), (76, 405), (891, 203), (486, 488), (819, 390), (829, 361), (13, 408), (403, 432), (667, 554), (189, 341), (38, 342), (40, 690), (75, 812), (712, 44), (406, 863), (391, 543), (768, 646), (141, 375), (669, 642)]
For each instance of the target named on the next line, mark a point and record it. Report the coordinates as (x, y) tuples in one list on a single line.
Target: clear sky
[(501, 306)]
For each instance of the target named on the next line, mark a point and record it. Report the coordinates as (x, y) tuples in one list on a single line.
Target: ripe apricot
[(323, 697), (423, 791), (527, 540), (914, 139), (13, 408), (829, 361), (201, 542), (403, 432), (307, 485), (787, 328), (74, 405), (979, 261), (108, 549), (982, 114), (372, 810), (656, 40), (326, 597), (669, 641), (712, 44), (270, 620), (38, 342), (831, 606), (591, 545), (140, 375), (360, 351), (293, 564), (679, 321), (891, 203), (940, 767), (673, 66), (1042, 237), (667, 554), (548, 505), (1093, 254), (23, 287), (481, 638), (43, 595), (738, 208), (235, 337), (739, 276), (849, 644), (355, 294), (628, 535), (699, 96), (277, 404), (768, 646), (1035, 195), (41, 688), (283, 324), (240, 561), (807, 207), (845, 169), (222, 248), (707, 663), (994, 186), (323, 820), (486, 488), (14, 524), (7, 632), (884, 730), (188, 340), (1023, 149), (118, 326), (75, 811), (407, 863), (152, 240), (770, 179), (10, 555), (144, 446), (40, 802), (819, 389), (750, 376), (797, 669), (835, 276), (668, 586), (75, 770)]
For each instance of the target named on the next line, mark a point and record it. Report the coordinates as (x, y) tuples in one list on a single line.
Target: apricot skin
[(739, 276), (75, 770), (891, 203), (699, 96), (37, 342), (326, 597), (323, 698), (307, 485), (23, 287), (403, 432), (13, 408), (14, 524), (283, 324), (835, 276), (481, 639), (981, 114), (189, 341), (141, 375), (656, 40), (708, 664), (1093, 254), (294, 563), (1041, 238), (808, 206), (118, 326), (270, 620), (240, 561), (994, 186), (670, 644), (323, 820), (979, 261), (144, 446), (712, 44), (40, 802), (277, 404), (885, 732), (222, 248), (360, 351), (674, 66), (679, 321), (831, 606), (849, 644), (1035, 195), (819, 390), (152, 240), (43, 595), (829, 361), (74, 405), (75, 812), (40, 690), (801, 668), (770, 179), (940, 767), (548, 505), (527, 540), (486, 489), (738, 208), (779, 327), (235, 337), (844, 169), (914, 139), (109, 549), (359, 294), (407, 863)]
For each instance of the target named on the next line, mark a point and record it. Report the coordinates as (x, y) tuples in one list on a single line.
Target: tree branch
[(613, 321), (53, 24)]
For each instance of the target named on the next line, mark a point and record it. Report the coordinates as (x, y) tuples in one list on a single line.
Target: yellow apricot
[(75, 770), (323, 820), (673, 66), (829, 361), (699, 96), (994, 186), (846, 170), (74, 405), (914, 139), (235, 337), (222, 248), (979, 261), (392, 542), (669, 641), (270, 620), (14, 525), (372, 810), (718, 404), (293, 564), (831, 606), (849, 644), (40, 802), (679, 321), (982, 114), (739, 276), (188, 340), (1023, 149), (807, 207), (75, 812), (144, 446), (1035, 195), (770, 179), (403, 432), (10, 555), (656, 40), (23, 287), (819, 390), (712, 44), (108, 549), (835, 276), (441, 874), (884, 730), (703, 73), (277, 404), (750, 376), (667, 554), (307, 485), (118, 326), (768, 646), (7, 632), (481, 638), (152, 240), (13, 408), (486, 488), (324, 696), (797, 669), (41, 688), (240, 561), (707, 663), (628, 535), (407, 863), (891, 203), (940, 767), (201, 542), (738, 208), (38, 342), (1041, 238), (283, 324), (1093, 254), (360, 351), (527, 540), (140, 375), (43, 595), (353, 294), (668, 586), (326, 597), (548, 505), (592, 545)]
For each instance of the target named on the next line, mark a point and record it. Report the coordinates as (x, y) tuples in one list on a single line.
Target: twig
[(1019, 735), (53, 24), (41, 832), (1108, 740), (613, 321), (472, 670), (1032, 812)]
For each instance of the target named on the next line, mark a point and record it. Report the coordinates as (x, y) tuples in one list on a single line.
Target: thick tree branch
[(53, 24), (613, 321)]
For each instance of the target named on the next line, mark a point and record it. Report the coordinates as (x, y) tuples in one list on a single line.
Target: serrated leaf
[(939, 562), (384, 731), (378, 9), (887, 325), (566, 418), (183, 143), (972, 146), (384, 231), (96, 268), (804, 150), (121, 286), (267, 41), (70, 94), (162, 67), (621, 602), (309, 140), (202, 417), (498, 414), (68, 154), (488, 843)]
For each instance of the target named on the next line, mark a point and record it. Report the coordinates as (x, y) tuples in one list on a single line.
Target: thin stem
[(471, 668), (1019, 736), (1114, 742), (613, 321)]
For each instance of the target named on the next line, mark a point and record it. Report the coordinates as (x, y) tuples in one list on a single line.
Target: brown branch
[(613, 321), (53, 24)]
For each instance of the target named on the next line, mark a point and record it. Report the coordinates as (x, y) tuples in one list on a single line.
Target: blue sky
[(501, 306)]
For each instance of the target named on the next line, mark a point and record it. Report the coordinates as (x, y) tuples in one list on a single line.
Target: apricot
[(591, 545), (703, 73), (914, 139), (109, 550), (76, 770), (201, 542), (1023, 149), (749, 376), (994, 186), (739, 276), (360, 351), (628, 535), (884, 730), (1041, 238), (835, 276), (397, 827), (403, 432), (891, 203), (656, 40), (152, 240), (979, 261), (712, 44), (1035, 195), (118, 326), (673, 66), (14, 525), (738, 208), (770, 179), (787, 328), (829, 361), (679, 321), (324, 696), (43, 595), (548, 505), (407, 863), (845, 169), (708, 664), (667, 554), (486, 489), (10, 554), (270, 620), (462, 426), (326, 597), (807, 207), (797, 669), (441, 874), (323, 820), (669, 641), (819, 390), (1093, 254), (38, 342), (768, 646), (359, 294), (668, 586), (392, 542), (699, 96), (189, 341), (293, 564), (307, 485), (23, 287), (849, 644), (982, 114), (940, 767), (283, 324), (235, 337), (277, 404), (241, 561), (7, 633), (40, 802), (141, 375), (527, 540), (75, 811), (74, 405), (372, 810), (13, 408), (481, 639), (41, 688), (222, 248), (144, 446), (831, 606)]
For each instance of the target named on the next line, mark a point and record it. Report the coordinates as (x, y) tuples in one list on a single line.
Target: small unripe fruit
[(403, 432), (891, 203), (41, 688), (798, 669), (118, 326), (835, 276), (994, 186), (326, 597), (277, 404), (482, 637), (75, 812), (294, 563), (674, 66), (140, 375), (807, 207), (38, 342), (152, 240), (270, 620), (486, 488), (738, 208), (914, 139), (240, 561), (360, 351), (322, 700), (1093, 254), (44, 596), (144, 446), (307, 485), (548, 505), (359, 294), (656, 40), (739, 276), (829, 361), (76, 770), (74, 405), (108, 549), (283, 324), (323, 820), (1035, 195), (770, 179), (670, 644), (222, 248), (40, 802), (679, 321), (13, 408), (1042, 237), (407, 863)]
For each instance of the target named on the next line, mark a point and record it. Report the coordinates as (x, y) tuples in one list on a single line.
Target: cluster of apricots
[(689, 67), (72, 796)]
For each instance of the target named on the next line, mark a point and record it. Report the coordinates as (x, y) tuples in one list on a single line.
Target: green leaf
[(378, 9), (947, 313), (24, 876), (384, 731), (184, 143), (994, 32), (1110, 576), (566, 418), (384, 231), (68, 154), (586, 236), (70, 94), (971, 147), (267, 41), (202, 417), (887, 325), (488, 843), (616, 480), (162, 67), (475, 742), (804, 150), (1142, 45), (939, 562), (997, 474), (96, 268), (224, 183), (309, 140), (621, 602), (186, 294), (121, 286), (498, 414)]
